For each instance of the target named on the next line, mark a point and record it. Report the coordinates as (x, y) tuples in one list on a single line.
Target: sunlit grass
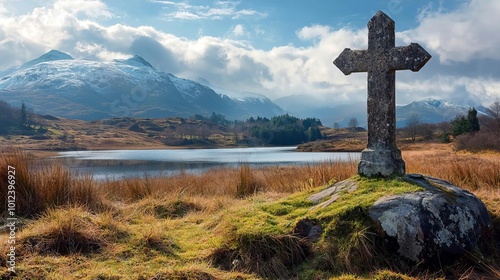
[(77, 227)]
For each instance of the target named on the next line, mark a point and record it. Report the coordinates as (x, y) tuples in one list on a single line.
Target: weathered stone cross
[(381, 156)]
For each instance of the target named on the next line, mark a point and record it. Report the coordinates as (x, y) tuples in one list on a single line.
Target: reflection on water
[(115, 164)]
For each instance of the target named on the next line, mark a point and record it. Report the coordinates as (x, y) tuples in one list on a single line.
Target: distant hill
[(429, 110), (306, 106), (432, 111), (59, 85)]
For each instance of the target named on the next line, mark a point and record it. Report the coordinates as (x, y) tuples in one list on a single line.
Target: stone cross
[(381, 156)]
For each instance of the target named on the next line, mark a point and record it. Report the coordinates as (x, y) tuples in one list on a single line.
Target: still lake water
[(115, 164)]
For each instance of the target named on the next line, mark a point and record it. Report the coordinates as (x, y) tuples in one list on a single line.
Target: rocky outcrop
[(436, 220), (441, 221)]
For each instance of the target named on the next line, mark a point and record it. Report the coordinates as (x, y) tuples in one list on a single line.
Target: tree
[(473, 120), (412, 125), (427, 130), (6, 116), (311, 122), (285, 130), (459, 125), (494, 110), (218, 119), (313, 133), (463, 124), (353, 123), (492, 121), (23, 115)]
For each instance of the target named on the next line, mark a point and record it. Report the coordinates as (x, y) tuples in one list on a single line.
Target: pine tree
[(473, 120), (462, 124), (24, 115)]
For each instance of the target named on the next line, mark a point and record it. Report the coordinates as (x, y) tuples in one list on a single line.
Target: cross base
[(381, 163)]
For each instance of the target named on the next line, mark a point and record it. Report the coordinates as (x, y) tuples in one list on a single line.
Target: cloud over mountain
[(92, 29)]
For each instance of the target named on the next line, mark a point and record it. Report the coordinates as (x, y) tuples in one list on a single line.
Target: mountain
[(304, 106), (53, 55), (429, 110), (432, 111), (251, 103), (57, 84)]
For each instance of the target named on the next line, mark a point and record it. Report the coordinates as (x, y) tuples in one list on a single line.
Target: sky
[(277, 48)]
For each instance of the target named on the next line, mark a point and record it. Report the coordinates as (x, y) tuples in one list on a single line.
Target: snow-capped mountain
[(250, 102), (431, 111), (57, 84)]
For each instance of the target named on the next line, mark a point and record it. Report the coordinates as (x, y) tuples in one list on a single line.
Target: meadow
[(73, 227)]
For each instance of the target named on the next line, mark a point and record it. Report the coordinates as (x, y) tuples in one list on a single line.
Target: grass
[(40, 187), (234, 223), (64, 231), (348, 243)]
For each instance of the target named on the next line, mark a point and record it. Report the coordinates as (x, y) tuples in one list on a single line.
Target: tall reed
[(39, 186)]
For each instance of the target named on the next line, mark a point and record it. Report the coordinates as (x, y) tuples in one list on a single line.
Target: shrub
[(478, 141)]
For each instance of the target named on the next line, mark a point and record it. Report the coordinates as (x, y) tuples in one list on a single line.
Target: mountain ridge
[(57, 84), (430, 110)]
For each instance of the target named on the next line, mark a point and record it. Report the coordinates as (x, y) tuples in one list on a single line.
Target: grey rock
[(439, 222), (381, 156), (331, 194)]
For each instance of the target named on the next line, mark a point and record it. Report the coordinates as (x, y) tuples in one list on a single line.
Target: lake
[(115, 164)]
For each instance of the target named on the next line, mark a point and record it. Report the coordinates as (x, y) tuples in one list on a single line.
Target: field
[(185, 226)]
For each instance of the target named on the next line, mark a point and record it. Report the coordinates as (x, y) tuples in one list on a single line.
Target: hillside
[(67, 134), (46, 132)]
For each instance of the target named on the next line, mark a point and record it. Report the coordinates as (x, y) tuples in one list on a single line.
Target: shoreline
[(306, 147)]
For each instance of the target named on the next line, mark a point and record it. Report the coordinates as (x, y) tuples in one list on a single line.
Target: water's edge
[(116, 164)]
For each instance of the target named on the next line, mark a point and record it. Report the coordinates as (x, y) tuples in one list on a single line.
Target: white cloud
[(239, 30), (90, 8), (98, 51), (236, 64), (219, 10), (184, 15), (312, 32), (465, 90), (3, 9), (50, 27), (470, 32)]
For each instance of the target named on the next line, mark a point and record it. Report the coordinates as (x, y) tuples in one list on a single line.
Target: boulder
[(439, 222)]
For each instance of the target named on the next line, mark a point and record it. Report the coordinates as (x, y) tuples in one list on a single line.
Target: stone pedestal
[(381, 163)]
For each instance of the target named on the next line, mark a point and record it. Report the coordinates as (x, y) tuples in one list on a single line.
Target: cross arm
[(350, 61), (412, 57)]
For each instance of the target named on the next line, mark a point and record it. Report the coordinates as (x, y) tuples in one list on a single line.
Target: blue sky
[(264, 23), (277, 48)]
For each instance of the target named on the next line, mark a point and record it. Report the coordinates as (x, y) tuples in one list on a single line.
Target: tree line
[(470, 132), (285, 130), (18, 120), (280, 130)]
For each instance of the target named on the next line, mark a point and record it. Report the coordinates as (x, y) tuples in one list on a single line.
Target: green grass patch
[(261, 238)]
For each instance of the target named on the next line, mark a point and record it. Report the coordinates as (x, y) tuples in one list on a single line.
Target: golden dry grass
[(236, 182), (170, 225), (39, 187)]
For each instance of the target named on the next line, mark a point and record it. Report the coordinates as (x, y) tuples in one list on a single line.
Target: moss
[(348, 242), (390, 275)]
